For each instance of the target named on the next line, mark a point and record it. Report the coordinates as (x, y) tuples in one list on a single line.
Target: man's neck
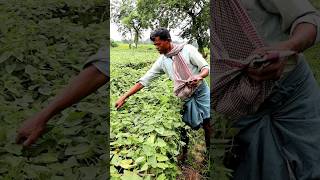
[(170, 47)]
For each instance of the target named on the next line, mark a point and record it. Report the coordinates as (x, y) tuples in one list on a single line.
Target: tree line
[(190, 16)]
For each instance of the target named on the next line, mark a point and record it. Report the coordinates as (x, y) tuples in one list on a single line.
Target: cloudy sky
[(115, 35)]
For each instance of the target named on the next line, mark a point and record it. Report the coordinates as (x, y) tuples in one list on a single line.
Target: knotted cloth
[(182, 75), (233, 39)]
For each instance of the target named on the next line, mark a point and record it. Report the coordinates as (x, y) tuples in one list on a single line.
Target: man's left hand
[(274, 70), (196, 79)]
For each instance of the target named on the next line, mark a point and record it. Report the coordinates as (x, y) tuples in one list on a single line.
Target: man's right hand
[(31, 130), (120, 102)]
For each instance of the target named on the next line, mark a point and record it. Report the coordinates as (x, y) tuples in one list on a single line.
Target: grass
[(123, 54), (313, 58)]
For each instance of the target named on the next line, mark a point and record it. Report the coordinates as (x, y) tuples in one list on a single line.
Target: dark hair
[(162, 33)]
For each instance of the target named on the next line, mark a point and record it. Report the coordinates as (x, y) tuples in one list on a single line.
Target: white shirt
[(192, 58)]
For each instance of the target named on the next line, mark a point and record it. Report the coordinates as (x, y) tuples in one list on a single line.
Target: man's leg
[(207, 132), (185, 139)]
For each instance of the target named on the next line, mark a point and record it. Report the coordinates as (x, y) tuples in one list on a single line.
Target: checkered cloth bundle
[(233, 39)]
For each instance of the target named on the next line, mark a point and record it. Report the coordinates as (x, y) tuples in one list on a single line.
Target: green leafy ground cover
[(224, 133), (43, 44), (144, 139)]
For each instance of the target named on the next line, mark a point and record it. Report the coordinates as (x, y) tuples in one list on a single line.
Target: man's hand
[(31, 130), (120, 102), (302, 37), (195, 80), (85, 83), (274, 70)]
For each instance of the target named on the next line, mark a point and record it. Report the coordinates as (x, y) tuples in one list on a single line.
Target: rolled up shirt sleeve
[(196, 58), (294, 12), (154, 72), (101, 60), (311, 18)]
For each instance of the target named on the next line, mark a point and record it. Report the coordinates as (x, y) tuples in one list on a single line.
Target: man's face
[(163, 46)]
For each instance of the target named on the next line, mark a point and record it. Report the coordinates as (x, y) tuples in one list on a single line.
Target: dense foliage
[(144, 140), (44, 44)]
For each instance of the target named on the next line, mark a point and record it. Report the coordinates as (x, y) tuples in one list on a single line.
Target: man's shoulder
[(160, 58), (189, 47), (102, 54)]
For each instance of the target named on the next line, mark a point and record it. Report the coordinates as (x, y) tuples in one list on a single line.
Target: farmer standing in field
[(187, 68), (281, 140), (93, 76)]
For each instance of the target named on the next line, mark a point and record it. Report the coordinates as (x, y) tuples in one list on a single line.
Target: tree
[(191, 16), (130, 22)]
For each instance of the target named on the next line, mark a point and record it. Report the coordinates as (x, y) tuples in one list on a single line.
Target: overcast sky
[(115, 35)]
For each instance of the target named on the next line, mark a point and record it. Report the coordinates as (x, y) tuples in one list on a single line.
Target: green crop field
[(144, 137), (43, 45)]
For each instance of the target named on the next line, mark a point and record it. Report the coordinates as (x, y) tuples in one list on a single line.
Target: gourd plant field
[(43, 45), (144, 134)]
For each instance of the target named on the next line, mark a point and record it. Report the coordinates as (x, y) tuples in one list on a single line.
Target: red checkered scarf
[(233, 38), (182, 75)]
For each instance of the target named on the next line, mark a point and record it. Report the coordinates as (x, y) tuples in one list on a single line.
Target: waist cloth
[(282, 140), (196, 108)]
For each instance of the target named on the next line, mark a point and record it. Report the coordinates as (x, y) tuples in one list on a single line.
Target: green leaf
[(57, 178), (3, 170), (130, 176), (45, 90), (152, 161), (115, 160), (78, 149), (151, 139), (148, 129), (161, 177), (88, 173), (161, 157), (148, 150), (161, 143), (12, 160), (10, 68), (144, 167), (71, 162), (147, 178), (13, 149), (4, 56), (30, 70), (160, 130), (33, 170), (126, 164), (45, 158), (140, 160), (162, 165), (75, 118)]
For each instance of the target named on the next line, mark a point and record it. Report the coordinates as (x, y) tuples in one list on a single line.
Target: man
[(196, 111), (94, 75), (281, 140)]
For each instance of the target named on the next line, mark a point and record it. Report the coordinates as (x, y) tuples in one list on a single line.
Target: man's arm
[(204, 72), (303, 37), (86, 82), (197, 59), (120, 102), (155, 71)]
